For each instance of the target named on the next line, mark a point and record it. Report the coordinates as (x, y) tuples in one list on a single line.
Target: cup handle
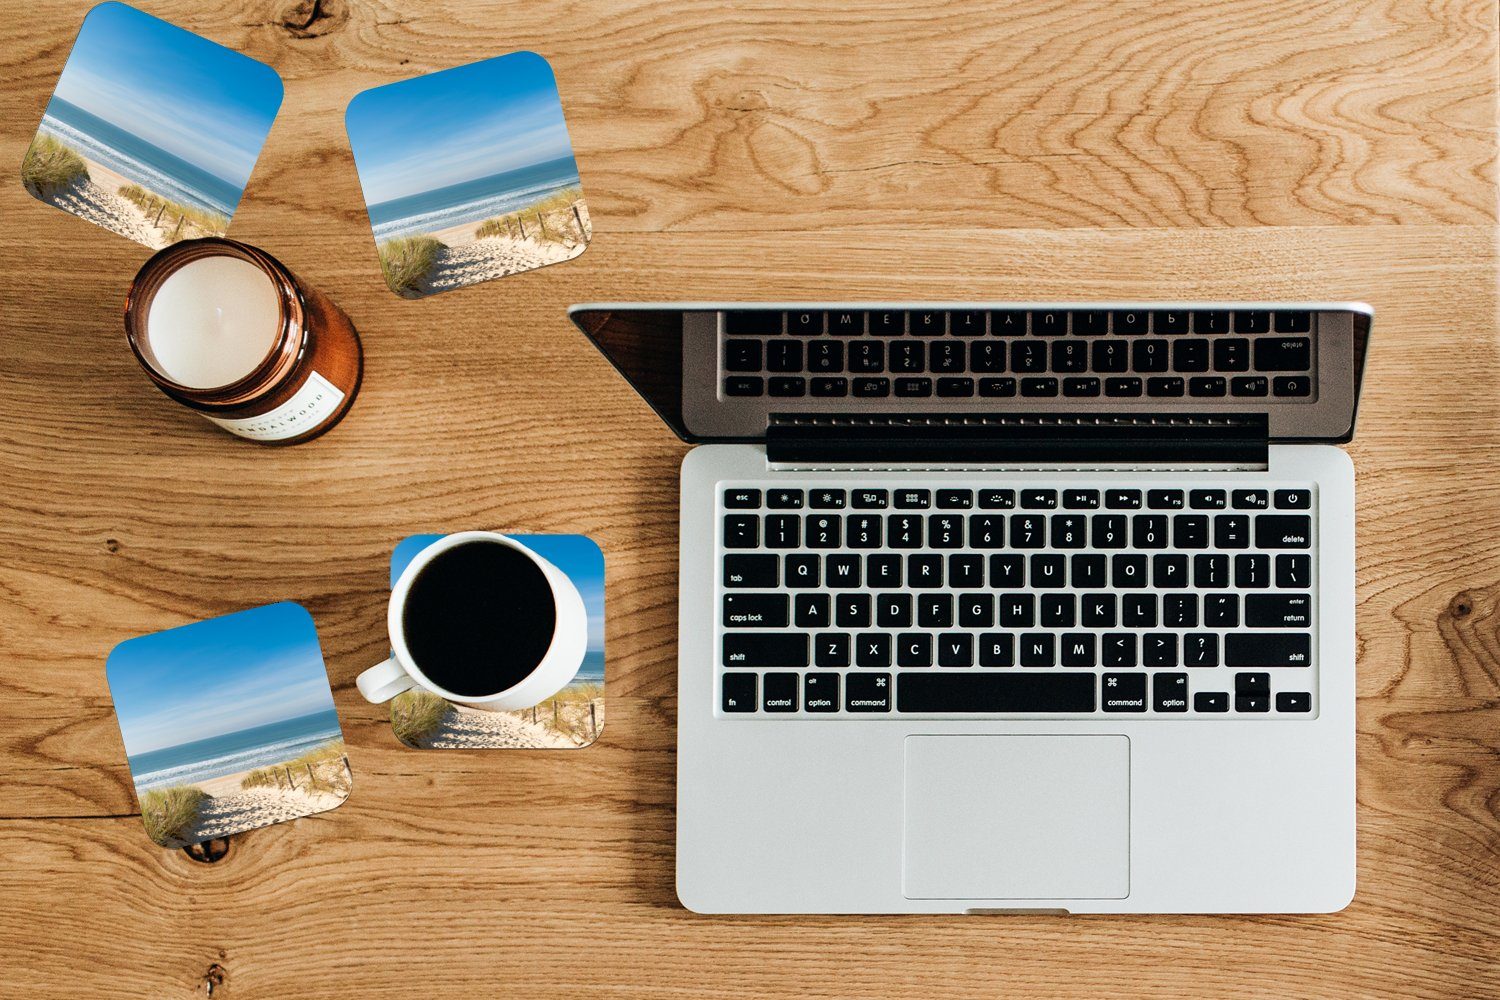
[(384, 681)]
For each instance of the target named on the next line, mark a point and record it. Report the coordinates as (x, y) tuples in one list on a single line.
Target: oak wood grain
[(1329, 149)]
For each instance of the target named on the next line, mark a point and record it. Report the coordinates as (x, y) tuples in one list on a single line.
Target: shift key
[(1267, 649), (765, 649), (756, 611)]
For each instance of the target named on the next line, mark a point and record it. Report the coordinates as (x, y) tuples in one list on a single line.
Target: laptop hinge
[(1023, 440)]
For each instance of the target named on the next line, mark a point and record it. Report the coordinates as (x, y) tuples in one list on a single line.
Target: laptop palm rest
[(1017, 817)]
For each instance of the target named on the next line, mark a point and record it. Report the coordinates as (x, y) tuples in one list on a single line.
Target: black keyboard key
[(887, 324), (1166, 499), (1028, 357), (884, 570), (904, 531), (1099, 611), (946, 357), (955, 499), (1169, 571), (825, 531), (783, 499), (1278, 611), (826, 386), (1017, 610), (741, 499), (756, 611), (741, 531), (1211, 571), (820, 693), (1125, 386), (911, 387), (1252, 703), (1118, 650), (955, 649), (997, 649), (1232, 354), (1138, 610), (1207, 499), (997, 387), (1294, 499), (872, 649), (1081, 386), (1169, 692), (1122, 499), (765, 649), (907, 357), (1123, 692), (852, 610), (1128, 572), (846, 324), (1211, 322), (1283, 531), (744, 385), (1190, 356), (737, 692), (783, 531), (965, 571), (843, 571), (1169, 323), (955, 388), (1090, 323), (1190, 531), (1159, 649), (1293, 701), (1149, 531), (1293, 321), (1267, 649), (1036, 387), (1292, 572), (831, 649), (825, 356), (1252, 572), (1049, 324), (1070, 356), (1150, 355), (913, 649), (945, 531), (913, 499), (779, 693), (751, 571), (867, 388), (1080, 499), (867, 357), (995, 693), (1078, 649), (1130, 321), (742, 356), (1291, 385), (753, 322), (865, 531), (1165, 385), (784, 356), (1252, 321), (1111, 356), (1221, 610), (966, 324), (871, 499), (827, 499), (802, 572), (927, 323), (1283, 354), (1069, 531), (1249, 385), (1211, 701), (1207, 385), (1109, 531), (868, 692), (803, 323), (1038, 499), (1179, 610), (987, 357), (997, 499), (1010, 323), (893, 610), (1252, 683), (787, 386), (1251, 499), (1200, 649)]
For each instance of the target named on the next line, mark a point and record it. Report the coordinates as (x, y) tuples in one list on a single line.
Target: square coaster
[(570, 720), (152, 131), (468, 174), (229, 724)]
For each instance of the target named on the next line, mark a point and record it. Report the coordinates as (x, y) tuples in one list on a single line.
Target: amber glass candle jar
[(226, 330)]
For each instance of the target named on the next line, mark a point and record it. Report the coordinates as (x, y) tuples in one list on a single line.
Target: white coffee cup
[(558, 666)]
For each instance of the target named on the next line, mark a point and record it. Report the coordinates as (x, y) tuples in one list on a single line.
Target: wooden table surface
[(1337, 149)]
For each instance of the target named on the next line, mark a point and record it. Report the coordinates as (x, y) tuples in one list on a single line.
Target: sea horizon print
[(468, 174), (228, 724), (152, 131)]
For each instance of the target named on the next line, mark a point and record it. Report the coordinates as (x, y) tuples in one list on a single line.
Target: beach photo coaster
[(229, 724), (570, 720), (152, 131), (468, 174)]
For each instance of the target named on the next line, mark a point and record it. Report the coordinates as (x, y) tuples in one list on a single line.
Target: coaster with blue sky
[(468, 174), (571, 719), (152, 131), (229, 724)]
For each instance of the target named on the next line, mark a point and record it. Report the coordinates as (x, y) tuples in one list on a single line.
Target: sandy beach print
[(468, 175), (571, 719), (152, 131), (229, 725)]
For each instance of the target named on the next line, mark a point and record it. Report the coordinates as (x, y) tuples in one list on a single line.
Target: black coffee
[(479, 618)]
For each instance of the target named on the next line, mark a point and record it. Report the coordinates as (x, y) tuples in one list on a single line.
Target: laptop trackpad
[(1017, 817)]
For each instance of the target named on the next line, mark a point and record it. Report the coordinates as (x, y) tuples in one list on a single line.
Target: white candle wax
[(213, 321)]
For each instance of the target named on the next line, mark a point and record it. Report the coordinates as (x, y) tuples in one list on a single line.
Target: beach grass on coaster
[(152, 131), (468, 174), (229, 724), (571, 719)]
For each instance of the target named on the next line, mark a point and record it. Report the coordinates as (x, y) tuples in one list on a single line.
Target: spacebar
[(995, 692)]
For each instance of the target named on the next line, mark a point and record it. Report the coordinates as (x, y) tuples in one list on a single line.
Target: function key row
[(1292, 387), (1012, 322), (1027, 499)]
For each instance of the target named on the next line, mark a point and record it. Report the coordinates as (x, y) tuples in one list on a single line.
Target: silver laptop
[(1010, 607)]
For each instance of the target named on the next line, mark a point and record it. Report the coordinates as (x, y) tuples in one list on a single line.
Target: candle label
[(312, 404)]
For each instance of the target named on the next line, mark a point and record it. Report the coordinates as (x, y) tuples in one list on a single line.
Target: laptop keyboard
[(1074, 600), (1036, 354)]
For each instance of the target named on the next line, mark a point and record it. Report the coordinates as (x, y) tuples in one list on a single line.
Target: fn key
[(738, 692)]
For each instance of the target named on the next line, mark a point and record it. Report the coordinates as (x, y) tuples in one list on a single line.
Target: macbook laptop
[(1010, 607)]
